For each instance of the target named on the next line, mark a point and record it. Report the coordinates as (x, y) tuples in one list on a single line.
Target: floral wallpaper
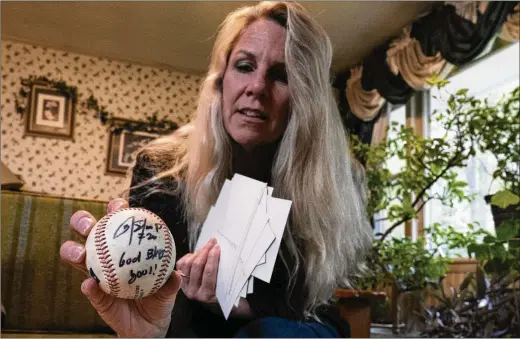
[(77, 168)]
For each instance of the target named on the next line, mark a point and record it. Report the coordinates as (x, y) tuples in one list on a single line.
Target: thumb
[(91, 290), (169, 290)]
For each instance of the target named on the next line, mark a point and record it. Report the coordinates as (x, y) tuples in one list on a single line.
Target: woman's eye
[(244, 67)]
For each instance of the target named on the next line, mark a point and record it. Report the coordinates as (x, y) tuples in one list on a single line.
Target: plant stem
[(450, 164)]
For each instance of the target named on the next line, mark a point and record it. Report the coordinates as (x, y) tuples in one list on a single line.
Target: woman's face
[(255, 91)]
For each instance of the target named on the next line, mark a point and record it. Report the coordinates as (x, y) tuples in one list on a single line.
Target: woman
[(266, 110)]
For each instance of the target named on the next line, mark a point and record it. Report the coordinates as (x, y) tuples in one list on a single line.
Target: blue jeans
[(271, 327)]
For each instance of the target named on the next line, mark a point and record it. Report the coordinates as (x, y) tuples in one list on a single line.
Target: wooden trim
[(348, 293), (416, 109), (460, 261), (463, 265)]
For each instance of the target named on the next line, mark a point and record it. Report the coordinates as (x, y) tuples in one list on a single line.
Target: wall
[(77, 168)]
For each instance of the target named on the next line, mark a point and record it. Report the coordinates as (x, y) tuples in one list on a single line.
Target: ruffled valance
[(460, 40), (468, 9), (405, 57), (511, 28), (376, 74), (364, 104), (451, 35)]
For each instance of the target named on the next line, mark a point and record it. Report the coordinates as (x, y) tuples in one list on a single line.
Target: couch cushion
[(39, 291)]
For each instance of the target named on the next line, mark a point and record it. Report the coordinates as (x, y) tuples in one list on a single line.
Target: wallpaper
[(76, 168)]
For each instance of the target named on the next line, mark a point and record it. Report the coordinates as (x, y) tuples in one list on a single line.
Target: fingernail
[(117, 205), (84, 224), (75, 253), (216, 248)]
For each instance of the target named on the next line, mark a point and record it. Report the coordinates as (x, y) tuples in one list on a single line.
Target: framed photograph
[(50, 113), (123, 148)]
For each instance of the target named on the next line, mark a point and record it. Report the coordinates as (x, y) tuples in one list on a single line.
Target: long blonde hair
[(312, 167)]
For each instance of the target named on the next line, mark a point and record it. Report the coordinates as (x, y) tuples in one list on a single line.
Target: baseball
[(130, 253)]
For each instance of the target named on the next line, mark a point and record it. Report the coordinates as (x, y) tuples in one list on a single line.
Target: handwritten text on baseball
[(140, 227)]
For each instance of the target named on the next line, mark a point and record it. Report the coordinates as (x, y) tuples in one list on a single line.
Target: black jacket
[(190, 318)]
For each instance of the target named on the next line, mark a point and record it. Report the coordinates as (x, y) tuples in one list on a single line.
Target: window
[(490, 77), (394, 164)]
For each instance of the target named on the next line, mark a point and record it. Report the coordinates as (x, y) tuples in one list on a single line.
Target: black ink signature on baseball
[(137, 225)]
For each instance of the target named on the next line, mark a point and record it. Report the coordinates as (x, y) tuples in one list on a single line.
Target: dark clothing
[(190, 318), (283, 328)]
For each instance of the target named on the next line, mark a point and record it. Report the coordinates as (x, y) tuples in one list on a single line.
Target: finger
[(169, 290), (184, 269), (82, 222), (117, 204), (99, 299), (184, 263), (209, 277), (188, 263), (197, 268), (181, 264), (72, 252)]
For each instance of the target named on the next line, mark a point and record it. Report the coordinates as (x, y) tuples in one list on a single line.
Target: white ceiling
[(179, 35)]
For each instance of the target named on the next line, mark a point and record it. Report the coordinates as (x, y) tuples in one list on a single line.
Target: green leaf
[(507, 230), (459, 184), (504, 198), (451, 102), (462, 91), (480, 251)]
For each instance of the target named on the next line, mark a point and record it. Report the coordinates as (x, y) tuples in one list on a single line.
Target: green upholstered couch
[(41, 294)]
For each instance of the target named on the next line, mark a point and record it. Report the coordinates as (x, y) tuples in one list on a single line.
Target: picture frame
[(51, 112), (123, 146)]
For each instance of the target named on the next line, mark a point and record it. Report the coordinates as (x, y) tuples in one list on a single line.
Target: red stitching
[(168, 239), (104, 256)]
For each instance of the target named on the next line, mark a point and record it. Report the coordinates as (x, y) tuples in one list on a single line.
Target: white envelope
[(248, 225), (214, 218), (278, 211), (250, 284)]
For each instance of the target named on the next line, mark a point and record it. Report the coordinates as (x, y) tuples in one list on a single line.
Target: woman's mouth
[(253, 114)]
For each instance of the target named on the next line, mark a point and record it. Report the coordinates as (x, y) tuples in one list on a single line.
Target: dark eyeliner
[(243, 67)]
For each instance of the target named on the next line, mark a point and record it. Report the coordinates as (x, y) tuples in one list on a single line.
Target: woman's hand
[(200, 281), (200, 270), (146, 317)]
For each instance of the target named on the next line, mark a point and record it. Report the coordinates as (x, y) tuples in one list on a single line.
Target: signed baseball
[(130, 253)]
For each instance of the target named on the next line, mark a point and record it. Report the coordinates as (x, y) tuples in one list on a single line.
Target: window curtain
[(364, 104), (452, 34), (405, 57), (460, 40)]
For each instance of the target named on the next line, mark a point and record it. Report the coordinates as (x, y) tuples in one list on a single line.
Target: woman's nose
[(258, 85)]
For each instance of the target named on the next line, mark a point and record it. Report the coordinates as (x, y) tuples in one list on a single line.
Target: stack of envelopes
[(248, 224)]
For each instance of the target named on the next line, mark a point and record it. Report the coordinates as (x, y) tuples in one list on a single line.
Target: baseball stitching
[(105, 258), (168, 249), (166, 259)]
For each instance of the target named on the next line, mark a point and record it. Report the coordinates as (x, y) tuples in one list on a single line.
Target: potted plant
[(499, 129), (487, 304), (403, 194)]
